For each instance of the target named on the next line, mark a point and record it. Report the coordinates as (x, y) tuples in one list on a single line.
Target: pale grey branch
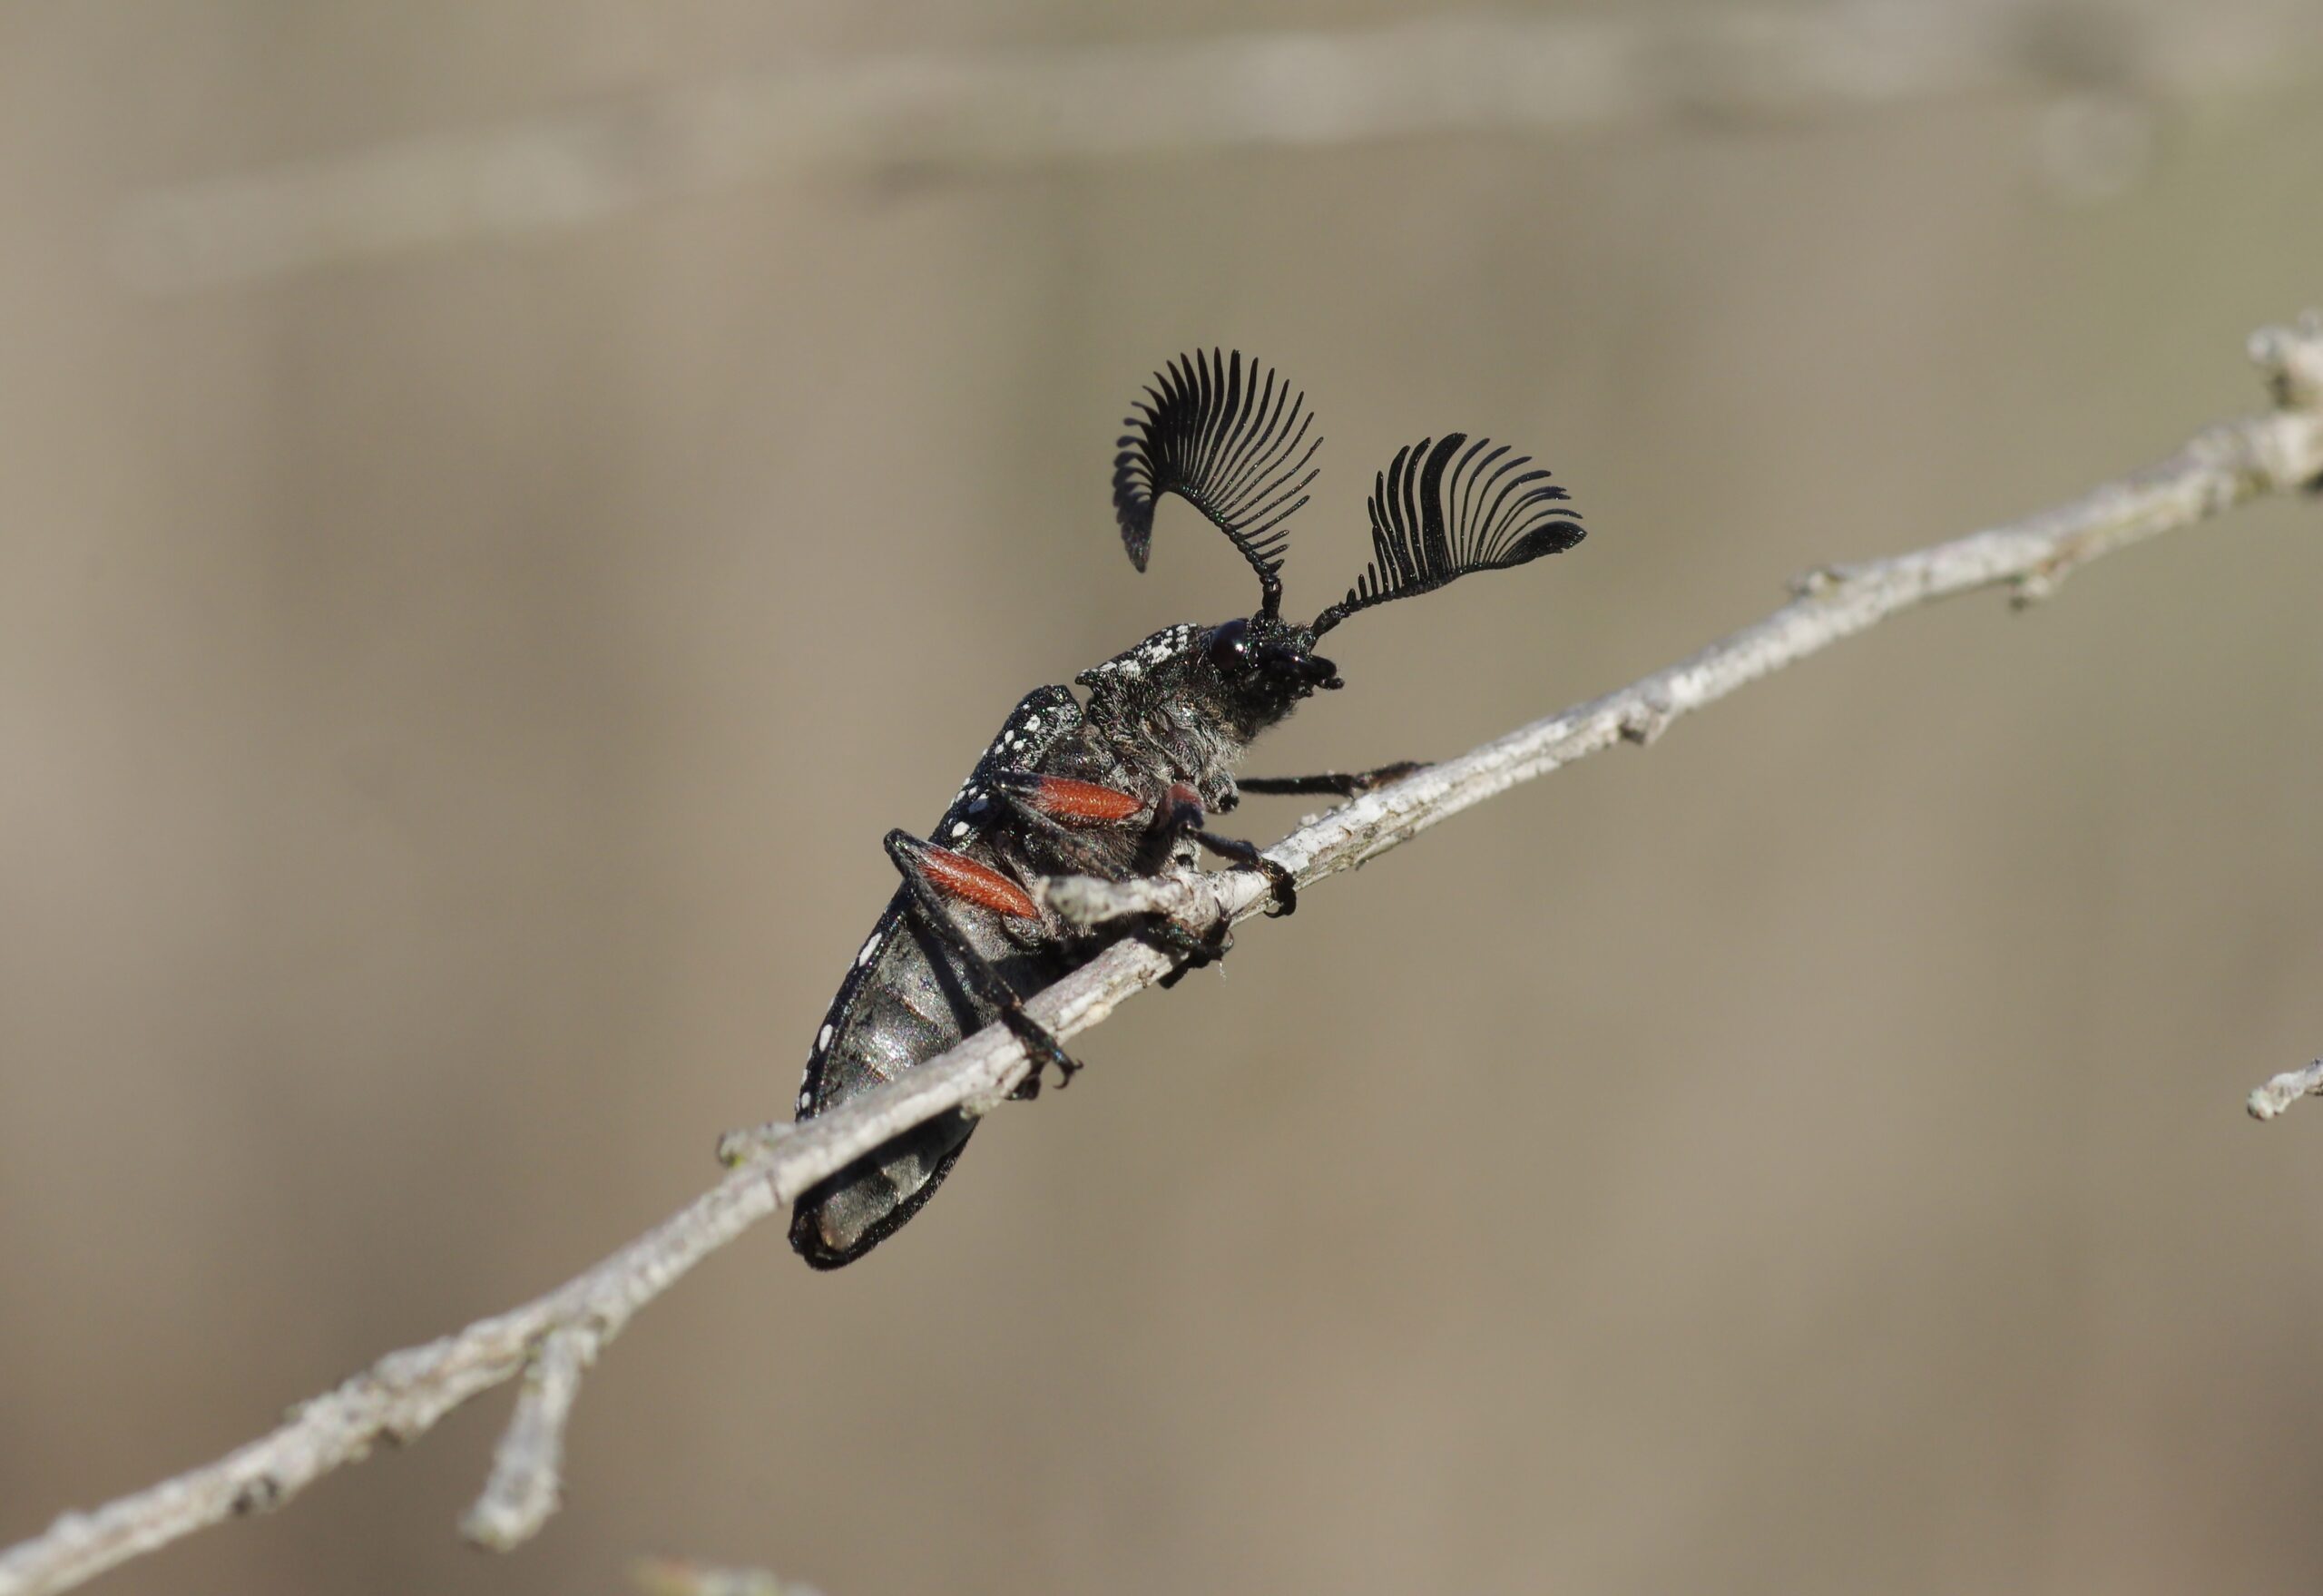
[(556, 1336), (1086, 901)]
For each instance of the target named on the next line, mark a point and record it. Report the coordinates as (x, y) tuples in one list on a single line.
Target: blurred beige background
[(467, 615)]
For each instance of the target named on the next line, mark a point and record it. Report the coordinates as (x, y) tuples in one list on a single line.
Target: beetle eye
[(1230, 647)]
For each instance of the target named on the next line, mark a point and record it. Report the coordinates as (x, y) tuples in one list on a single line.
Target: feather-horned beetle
[(1111, 787)]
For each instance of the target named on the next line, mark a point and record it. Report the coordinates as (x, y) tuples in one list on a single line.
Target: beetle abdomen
[(907, 997), (908, 1003), (890, 1014)]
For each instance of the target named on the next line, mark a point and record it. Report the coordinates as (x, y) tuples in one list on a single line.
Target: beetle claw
[(1045, 1052)]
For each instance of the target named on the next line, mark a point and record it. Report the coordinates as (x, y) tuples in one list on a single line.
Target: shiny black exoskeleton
[(1111, 786)]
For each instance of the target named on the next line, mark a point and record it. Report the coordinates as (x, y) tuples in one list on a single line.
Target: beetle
[(1113, 785)]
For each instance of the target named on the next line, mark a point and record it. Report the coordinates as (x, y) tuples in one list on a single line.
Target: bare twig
[(2100, 67), (556, 1336), (527, 1469)]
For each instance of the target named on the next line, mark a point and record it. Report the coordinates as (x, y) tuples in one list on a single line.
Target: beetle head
[(1257, 670), (1235, 446)]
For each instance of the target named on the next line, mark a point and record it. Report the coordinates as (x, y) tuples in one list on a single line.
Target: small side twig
[(528, 1469), (556, 1336)]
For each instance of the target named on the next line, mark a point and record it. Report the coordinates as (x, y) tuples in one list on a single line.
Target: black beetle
[(1111, 786)]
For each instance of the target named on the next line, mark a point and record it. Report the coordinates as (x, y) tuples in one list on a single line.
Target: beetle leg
[(1066, 801), (1196, 952), (1061, 808), (1346, 785), (936, 877), (1246, 856), (1182, 816), (1072, 848)]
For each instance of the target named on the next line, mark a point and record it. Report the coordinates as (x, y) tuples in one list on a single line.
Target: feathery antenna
[(1230, 443), (1434, 519)]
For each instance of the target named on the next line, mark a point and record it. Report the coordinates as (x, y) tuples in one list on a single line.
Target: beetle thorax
[(1196, 696)]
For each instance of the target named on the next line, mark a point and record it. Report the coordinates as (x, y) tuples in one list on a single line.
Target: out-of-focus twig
[(680, 1576), (556, 1336), (2267, 1101), (2099, 65)]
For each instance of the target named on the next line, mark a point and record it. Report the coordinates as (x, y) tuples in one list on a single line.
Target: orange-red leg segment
[(1069, 802), (960, 876)]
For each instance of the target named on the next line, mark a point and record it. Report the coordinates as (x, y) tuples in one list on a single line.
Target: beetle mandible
[(1112, 786)]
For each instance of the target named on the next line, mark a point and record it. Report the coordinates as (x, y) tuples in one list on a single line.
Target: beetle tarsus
[(1195, 951), (1044, 1049), (1344, 784)]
